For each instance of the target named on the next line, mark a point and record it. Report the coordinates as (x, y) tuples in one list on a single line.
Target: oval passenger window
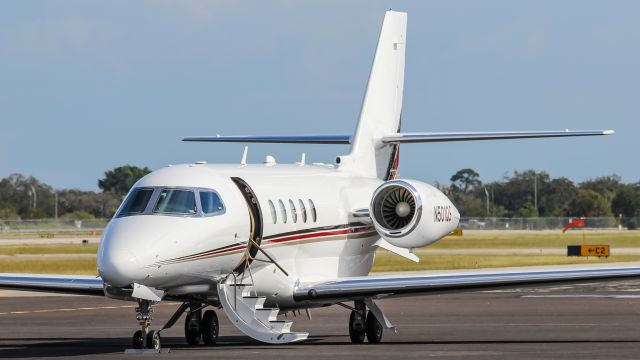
[(283, 211), (274, 214), (303, 210), (312, 209), (294, 213)]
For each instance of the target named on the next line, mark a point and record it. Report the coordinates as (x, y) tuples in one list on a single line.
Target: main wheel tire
[(192, 331), (210, 327), (138, 339), (374, 329), (153, 340), (356, 334)]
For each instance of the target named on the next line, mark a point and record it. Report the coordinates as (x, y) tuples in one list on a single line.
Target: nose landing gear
[(143, 338)]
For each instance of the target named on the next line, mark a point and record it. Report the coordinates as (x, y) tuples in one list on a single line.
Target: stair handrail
[(271, 260)]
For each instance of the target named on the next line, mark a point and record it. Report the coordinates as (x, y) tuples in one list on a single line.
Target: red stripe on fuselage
[(212, 253), (306, 236)]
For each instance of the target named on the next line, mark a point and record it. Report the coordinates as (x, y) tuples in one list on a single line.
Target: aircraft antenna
[(244, 156)]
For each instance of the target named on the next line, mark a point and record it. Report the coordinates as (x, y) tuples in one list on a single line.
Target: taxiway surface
[(588, 321)]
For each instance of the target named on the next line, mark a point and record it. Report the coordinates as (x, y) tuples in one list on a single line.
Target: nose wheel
[(144, 338), (138, 339)]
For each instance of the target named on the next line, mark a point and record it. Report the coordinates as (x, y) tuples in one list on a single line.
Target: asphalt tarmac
[(588, 321)]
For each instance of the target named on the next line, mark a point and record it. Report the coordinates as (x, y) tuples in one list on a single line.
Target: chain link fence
[(51, 225), (542, 223), (545, 223)]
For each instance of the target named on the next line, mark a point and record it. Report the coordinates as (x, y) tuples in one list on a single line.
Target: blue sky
[(88, 86)]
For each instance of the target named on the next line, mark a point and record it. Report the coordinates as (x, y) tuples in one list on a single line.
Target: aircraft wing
[(406, 285), (65, 284)]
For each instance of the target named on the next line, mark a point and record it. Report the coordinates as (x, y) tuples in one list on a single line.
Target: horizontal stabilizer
[(277, 139), (498, 135), (399, 137)]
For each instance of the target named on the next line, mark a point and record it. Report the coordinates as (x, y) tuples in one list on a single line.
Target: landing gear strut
[(361, 325), (143, 338)]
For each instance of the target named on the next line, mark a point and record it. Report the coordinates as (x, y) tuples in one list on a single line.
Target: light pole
[(55, 208), (535, 191), (486, 193), (493, 203), (33, 191)]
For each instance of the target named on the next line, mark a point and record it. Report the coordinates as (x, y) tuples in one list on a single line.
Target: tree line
[(523, 194), (536, 194), (25, 197)]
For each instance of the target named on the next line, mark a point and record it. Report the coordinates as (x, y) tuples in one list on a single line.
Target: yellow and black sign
[(594, 250), (588, 250), (456, 232)]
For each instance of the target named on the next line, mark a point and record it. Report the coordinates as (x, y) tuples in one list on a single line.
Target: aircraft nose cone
[(118, 268)]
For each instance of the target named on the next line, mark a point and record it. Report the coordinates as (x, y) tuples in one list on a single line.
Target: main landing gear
[(363, 323), (198, 327)]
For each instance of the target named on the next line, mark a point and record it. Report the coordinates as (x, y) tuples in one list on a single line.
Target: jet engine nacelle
[(410, 213)]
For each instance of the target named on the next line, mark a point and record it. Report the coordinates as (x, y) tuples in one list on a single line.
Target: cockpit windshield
[(136, 202), (210, 202), (176, 201), (170, 201)]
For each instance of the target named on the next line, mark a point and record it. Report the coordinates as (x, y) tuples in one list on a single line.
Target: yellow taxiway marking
[(68, 309)]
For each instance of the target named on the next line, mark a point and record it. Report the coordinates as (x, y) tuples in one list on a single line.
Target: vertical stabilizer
[(382, 104)]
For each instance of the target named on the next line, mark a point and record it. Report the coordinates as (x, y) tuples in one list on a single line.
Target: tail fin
[(382, 104)]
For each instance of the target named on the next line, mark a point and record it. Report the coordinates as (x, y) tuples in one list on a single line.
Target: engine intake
[(395, 205), (410, 213)]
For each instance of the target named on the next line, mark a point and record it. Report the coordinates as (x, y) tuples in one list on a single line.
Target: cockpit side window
[(136, 202), (211, 203), (176, 201)]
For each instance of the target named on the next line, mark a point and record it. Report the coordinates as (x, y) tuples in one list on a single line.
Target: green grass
[(76, 266), (54, 234), (385, 261), (48, 249), (537, 240)]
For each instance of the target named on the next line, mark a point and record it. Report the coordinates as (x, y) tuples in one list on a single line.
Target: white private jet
[(261, 240)]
